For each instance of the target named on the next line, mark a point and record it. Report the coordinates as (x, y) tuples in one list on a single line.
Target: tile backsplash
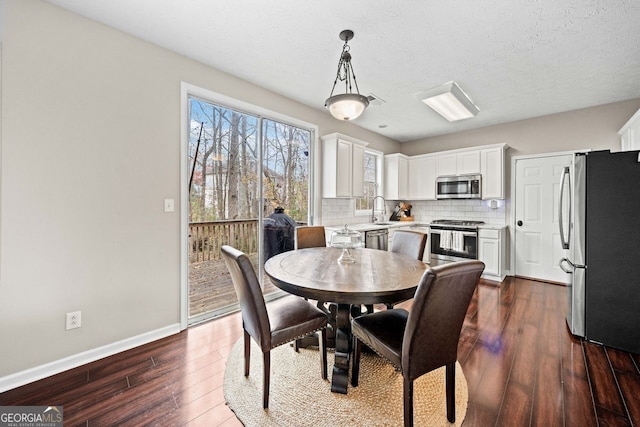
[(342, 211)]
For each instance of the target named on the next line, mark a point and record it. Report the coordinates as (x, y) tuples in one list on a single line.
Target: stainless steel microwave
[(458, 187)]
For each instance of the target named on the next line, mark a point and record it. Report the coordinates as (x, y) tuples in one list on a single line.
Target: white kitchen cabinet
[(422, 177), (447, 164), (468, 162), (342, 166), (630, 133), (396, 177), (423, 169), (492, 170), (459, 163), (357, 170), (491, 251)]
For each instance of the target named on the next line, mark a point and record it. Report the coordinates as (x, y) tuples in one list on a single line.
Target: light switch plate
[(169, 205)]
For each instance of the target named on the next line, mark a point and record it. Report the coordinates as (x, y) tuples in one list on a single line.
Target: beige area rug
[(300, 397)]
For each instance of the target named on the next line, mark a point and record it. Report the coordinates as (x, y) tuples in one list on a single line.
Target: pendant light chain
[(349, 105), (345, 70)]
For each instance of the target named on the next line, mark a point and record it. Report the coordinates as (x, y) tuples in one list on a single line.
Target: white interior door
[(537, 239)]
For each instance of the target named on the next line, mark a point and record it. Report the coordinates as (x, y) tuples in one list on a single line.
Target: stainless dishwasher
[(377, 239)]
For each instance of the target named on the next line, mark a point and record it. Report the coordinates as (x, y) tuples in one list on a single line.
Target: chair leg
[(451, 392), (247, 353), (296, 345), (322, 343), (355, 365), (408, 402), (266, 357)]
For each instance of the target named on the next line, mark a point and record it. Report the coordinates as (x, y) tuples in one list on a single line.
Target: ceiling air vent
[(375, 100)]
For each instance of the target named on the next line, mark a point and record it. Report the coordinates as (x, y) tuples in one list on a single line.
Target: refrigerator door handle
[(571, 265), (562, 267), (565, 243)]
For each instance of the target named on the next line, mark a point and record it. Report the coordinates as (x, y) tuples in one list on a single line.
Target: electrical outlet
[(74, 320)]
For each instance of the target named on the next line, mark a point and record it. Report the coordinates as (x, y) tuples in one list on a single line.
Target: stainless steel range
[(453, 240)]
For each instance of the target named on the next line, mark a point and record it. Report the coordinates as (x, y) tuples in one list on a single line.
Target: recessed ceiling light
[(449, 101)]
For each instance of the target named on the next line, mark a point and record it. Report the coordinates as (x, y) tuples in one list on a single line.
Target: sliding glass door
[(242, 168)]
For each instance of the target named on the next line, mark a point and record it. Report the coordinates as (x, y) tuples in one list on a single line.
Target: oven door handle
[(464, 233)]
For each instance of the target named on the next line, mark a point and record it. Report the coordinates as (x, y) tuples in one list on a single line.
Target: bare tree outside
[(286, 169), (227, 151), (225, 165)]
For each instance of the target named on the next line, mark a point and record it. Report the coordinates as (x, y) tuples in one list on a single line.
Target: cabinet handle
[(519, 223)]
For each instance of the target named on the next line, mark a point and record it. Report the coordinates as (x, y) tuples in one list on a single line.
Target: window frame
[(188, 90), (379, 156)]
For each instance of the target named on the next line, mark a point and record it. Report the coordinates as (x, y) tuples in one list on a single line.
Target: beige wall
[(90, 148), (595, 128)]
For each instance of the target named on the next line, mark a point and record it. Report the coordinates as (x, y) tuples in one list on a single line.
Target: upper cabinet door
[(468, 162), (422, 177), (492, 169), (342, 166), (357, 170), (447, 164), (461, 163), (396, 177)]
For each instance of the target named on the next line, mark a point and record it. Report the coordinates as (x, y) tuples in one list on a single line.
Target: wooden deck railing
[(206, 238)]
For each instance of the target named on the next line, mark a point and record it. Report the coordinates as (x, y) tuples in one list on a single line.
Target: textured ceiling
[(515, 58)]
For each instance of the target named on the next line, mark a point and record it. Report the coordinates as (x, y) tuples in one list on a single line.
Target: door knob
[(519, 223)]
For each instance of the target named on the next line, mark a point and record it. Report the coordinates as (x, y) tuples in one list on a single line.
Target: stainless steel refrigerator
[(599, 219)]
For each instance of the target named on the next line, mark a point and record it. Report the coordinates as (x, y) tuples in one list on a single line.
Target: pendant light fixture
[(349, 105)]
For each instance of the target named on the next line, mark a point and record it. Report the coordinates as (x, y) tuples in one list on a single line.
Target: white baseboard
[(494, 278), (43, 371)]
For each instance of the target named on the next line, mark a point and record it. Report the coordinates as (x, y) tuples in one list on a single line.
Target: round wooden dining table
[(375, 277)]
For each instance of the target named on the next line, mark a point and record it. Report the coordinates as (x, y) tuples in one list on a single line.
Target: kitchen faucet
[(373, 208)]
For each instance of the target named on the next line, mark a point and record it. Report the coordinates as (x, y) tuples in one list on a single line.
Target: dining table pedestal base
[(340, 374)]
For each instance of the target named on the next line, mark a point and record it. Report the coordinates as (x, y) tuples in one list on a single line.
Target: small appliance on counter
[(402, 212)]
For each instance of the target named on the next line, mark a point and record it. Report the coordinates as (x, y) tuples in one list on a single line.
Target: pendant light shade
[(349, 105)]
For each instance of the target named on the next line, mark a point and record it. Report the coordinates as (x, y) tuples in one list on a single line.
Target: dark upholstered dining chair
[(314, 236), (410, 243), (282, 321), (426, 338), (310, 236)]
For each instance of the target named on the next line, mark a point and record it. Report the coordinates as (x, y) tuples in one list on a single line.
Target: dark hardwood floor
[(522, 367)]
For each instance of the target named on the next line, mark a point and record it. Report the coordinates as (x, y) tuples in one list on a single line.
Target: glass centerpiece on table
[(346, 239)]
